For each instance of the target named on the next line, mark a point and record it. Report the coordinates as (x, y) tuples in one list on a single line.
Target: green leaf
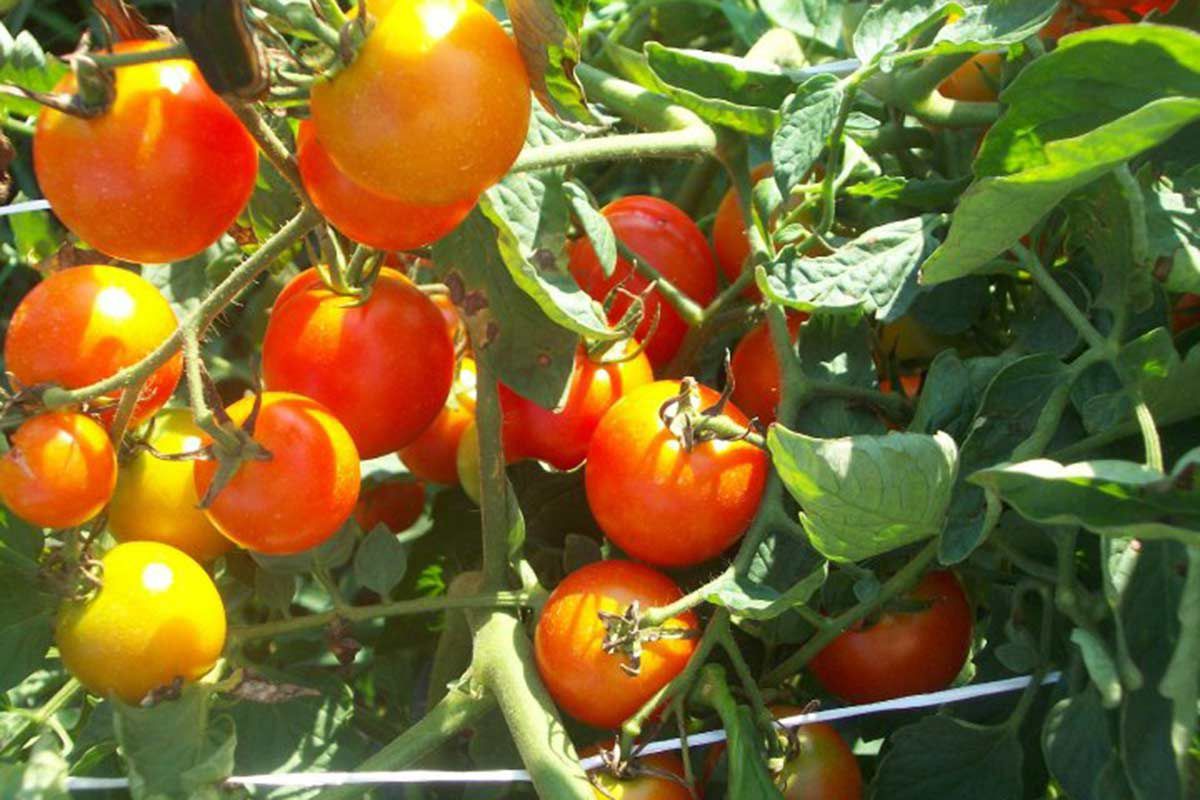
[(1039, 323), (885, 27), (185, 283), (330, 554), (20, 543), (35, 234), (1076, 743), (381, 561), (1173, 228), (275, 590), (950, 759), (750, 600), (875, 273), (42, 776), (1146, 747), (26, 624), (922, 194), (952, 393), (1100, 222), (866, 495), (808, 119), (748, 776), (815, 20), (594, 224)]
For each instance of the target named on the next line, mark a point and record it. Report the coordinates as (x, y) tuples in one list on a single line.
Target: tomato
[(364, 215), (1185, 314), (396, 504), (383, 365), (157, 177), (977, 80), (646, 786), (1111, 4), (729, 232), (60, 470), (755, 370), (156, 499), (659, 502), (586, 682), (303, 494), (669, 242), (434, 108), (157, 617), (819, 766), (561, 438), (454, 325), (466, 459), (433, 455), (902, 653), (1161, 6), (84, 324)]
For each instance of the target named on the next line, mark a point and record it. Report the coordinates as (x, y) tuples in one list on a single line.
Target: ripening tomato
[(646, 786), (159, 175), (383, 365), (364, 215), (977, 80), (755, 370), (433, 455), (902, 652), (156, 499), (396, 504), (669, 242), (561, 438), (85, 324), (433, 110), (660, 502), (60, 470), (303, 494), (157, 617), (1185, 314), (586, 682)]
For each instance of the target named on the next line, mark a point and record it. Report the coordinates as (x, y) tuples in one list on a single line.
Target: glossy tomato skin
[(156, 499), (156, 618), (87, 323), (157, 177), (902, 653), (383, 366), (647, 787), (364, 215), (756, 379), (303, 494), (60, 470), (586, 682), (820, 765), (561, 438), (387, 120), (670, 243), (660, 503), (976, 80), (433, 455), (396, 504)]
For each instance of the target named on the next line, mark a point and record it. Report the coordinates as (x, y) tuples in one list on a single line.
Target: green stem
[(923, 80), (301, 17), (202, 415), (1180, 682), (124, 412), (687, 308), (13, 125), (1107, 436), (766, 719), (36, 719), (1042, 277), (1132, 194), (660, 614), (1150, 438), (493, 481), (272, 147), (938, 110), (114, 60)]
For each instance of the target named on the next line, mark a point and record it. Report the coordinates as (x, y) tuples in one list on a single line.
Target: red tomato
[(586, 682), (670, 243), (303, 494), (60, 471), (435, 107), (396, 503), (755, 369), (561, 438), (1185, 314), (383, 366), (160, 175), (911, 384), (902, 653), (976, 80), (454, 325), (84, 324), (433, 455), (729, 232), (659, 502), (364, 215), (646, 786), (1111, 4), (1161, 6)]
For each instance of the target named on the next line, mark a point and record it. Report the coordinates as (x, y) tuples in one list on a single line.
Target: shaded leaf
[(949, 759)]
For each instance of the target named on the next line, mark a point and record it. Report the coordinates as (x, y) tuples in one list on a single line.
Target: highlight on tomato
[(159, 175), (654, 777), (157, 617), (657, 500), (382, 364), (386, 120), (584, 680), (902, 652), (156, 498), (59, 471), (87, 323), (433, 455), (300, 496), (396, 504), (755, 370), (669, 241)]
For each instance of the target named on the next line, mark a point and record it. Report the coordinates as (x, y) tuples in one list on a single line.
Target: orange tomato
[(976, 80), (433, 455), (755, 367)]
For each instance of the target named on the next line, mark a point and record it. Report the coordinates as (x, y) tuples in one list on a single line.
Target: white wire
[(24, 207), (319, 779)]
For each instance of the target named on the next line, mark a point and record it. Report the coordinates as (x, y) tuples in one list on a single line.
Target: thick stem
[(660, 614), (493, 481), (1042, 277), (1150, 438), (114, 60), (202, 415)]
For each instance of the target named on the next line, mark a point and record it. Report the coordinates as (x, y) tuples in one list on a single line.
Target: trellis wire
[(328, 779)]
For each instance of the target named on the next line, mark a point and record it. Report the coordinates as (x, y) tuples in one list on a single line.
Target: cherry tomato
[(976, 80), (303, 494), (434, 108), (383, 365), (156, 499), (396, 503), (586, 682), (561, 438), (1185, 314), (84, 324), (60, 470), (157, 177), (902, 653), (669, 242), (648, 785), (157, 617), (755, 369), (364, 215), (433, 455), (659, 502)]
